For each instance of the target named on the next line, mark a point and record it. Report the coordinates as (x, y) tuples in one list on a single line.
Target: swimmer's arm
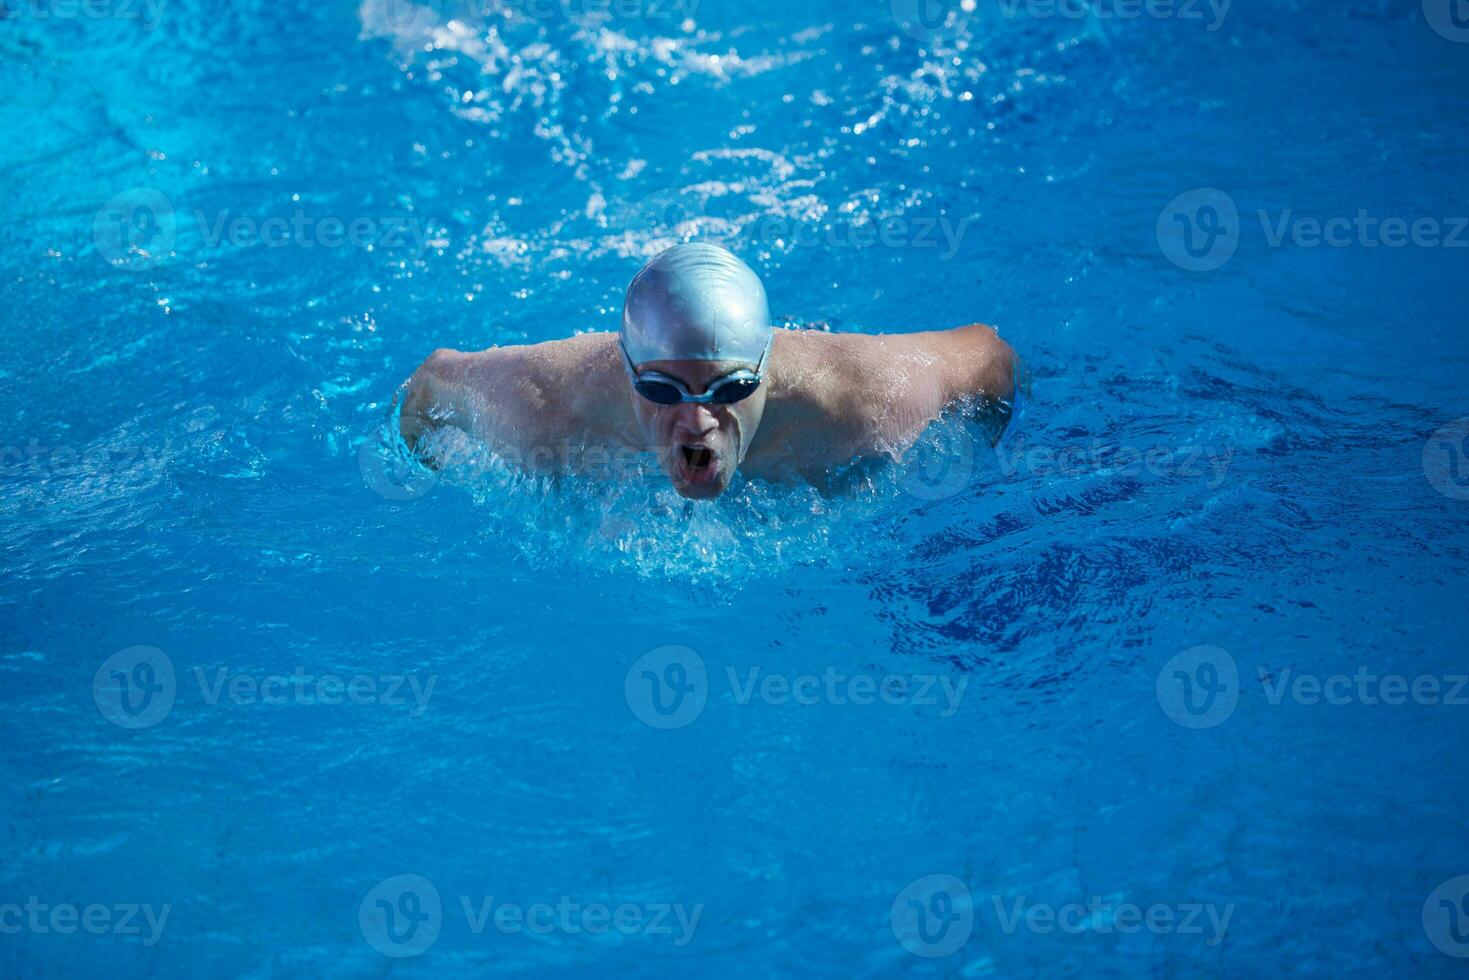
[(978, 365), (496, 397), (981, 374), (440, 393), (936, 371)]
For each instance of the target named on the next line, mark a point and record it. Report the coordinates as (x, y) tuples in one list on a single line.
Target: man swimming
[(699, 376)]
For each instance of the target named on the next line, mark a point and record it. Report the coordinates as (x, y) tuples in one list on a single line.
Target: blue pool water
[(274, 705)]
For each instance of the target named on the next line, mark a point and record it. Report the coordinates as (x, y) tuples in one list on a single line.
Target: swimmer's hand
[(967, 370), (437, 395)]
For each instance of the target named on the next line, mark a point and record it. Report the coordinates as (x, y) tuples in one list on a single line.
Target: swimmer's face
[(699, 446)]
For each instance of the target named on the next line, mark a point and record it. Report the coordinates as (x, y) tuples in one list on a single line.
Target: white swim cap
[(696, 302)]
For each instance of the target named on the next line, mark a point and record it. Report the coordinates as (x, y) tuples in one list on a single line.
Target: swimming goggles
[(663, 390)]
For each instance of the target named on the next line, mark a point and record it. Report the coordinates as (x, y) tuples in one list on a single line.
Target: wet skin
[(827, 399)]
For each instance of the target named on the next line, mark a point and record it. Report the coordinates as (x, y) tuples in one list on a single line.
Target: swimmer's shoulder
[(829, 368), (827, 389), (874, 390), (533, 391), (968, 360), (589, 360)]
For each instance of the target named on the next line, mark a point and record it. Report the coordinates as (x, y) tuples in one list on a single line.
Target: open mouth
[(695, 463)]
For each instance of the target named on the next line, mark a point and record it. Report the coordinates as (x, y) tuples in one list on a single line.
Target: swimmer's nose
[(694, 421)]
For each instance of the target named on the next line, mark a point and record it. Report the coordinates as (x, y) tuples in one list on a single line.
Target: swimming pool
[(1164, 684)]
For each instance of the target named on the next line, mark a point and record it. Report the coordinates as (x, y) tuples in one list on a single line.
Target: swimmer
[(699, 376)]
